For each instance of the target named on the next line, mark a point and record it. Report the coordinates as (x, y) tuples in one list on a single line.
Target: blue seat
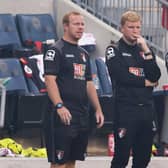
[(11, 68), (8, 31), (19, 109), (23, 107), (104, 77), (9, 35), (95, 77), (36, 27)]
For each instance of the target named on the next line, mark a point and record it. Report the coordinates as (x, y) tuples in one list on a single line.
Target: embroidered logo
[(50, 55), (60, 154), (79, 71), (122, 132)]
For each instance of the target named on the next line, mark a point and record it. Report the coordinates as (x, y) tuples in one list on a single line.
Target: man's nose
[(81, 25)]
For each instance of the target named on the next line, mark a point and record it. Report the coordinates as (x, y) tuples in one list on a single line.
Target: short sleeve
[(52, 61)]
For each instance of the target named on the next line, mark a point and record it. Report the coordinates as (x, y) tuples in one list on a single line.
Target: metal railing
[(154, 15), (2, 104)]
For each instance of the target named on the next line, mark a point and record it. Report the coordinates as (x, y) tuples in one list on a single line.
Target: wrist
[(149, 57), (147, 53), (145, 48), (59, 105)]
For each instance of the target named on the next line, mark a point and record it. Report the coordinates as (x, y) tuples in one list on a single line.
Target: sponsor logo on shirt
[(136, 71), (69, 55), (79, 71), (126, 55), (50, 55)]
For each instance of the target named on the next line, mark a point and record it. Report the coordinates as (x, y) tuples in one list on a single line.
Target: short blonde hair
[(130, 16), (66, 17)]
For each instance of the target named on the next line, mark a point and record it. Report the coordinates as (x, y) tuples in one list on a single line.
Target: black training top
[(128, 68), (70, 63)]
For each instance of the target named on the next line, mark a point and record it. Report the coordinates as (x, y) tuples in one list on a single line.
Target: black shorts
[(65, 143)]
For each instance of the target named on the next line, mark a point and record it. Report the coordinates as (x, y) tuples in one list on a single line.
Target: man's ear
[(65, 25)]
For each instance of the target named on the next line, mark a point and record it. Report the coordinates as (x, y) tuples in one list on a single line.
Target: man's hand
[(99, 119), (64, 115), (150, 84), (142, 42)]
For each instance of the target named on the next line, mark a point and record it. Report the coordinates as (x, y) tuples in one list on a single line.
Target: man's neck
[(129, 42), (70, 40)]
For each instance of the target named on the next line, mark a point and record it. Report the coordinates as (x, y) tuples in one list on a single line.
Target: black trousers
[(133, 134)]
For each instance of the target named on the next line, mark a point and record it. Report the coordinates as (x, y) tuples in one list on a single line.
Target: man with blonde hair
[(133, 68)]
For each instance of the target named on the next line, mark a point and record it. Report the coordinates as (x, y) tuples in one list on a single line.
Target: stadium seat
[(35, 28), (10, 68), (9, 35), (23, 108), (15, 86), (10, 44), (104, 77), (22, 104), (95, 77), (8, 31)]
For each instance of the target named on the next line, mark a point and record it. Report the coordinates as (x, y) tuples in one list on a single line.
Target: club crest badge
[(60, 154), (122, 132), (110, 53), (50, 55)]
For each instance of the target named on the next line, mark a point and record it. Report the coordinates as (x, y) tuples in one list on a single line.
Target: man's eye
[(134, 27), (76, 24)]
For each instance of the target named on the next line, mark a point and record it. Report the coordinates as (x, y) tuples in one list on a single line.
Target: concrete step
[(91, 162)]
